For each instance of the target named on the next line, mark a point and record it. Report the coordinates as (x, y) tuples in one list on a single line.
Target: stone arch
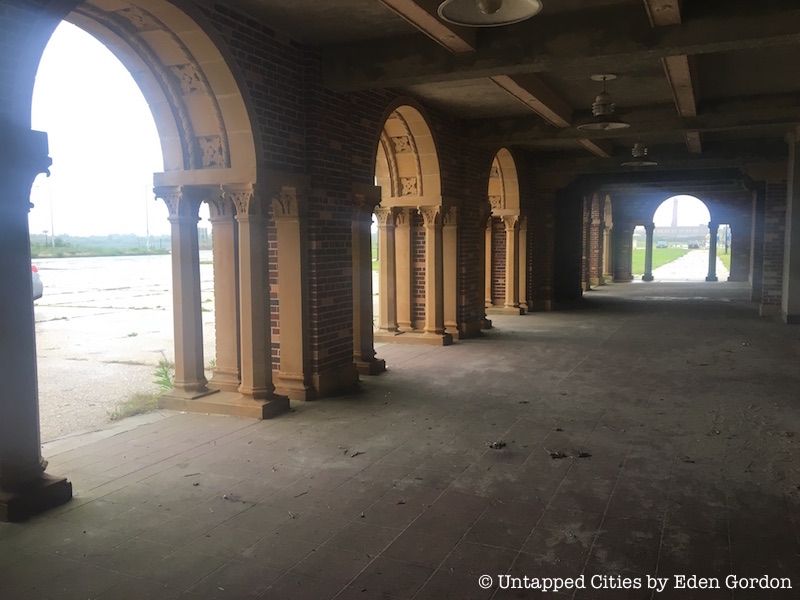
[(417, 233), (506, 245)]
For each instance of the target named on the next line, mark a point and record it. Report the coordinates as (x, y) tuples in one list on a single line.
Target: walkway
[(692, 266), (654, 431)]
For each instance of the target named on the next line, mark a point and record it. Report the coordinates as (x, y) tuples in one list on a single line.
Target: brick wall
[(418, 268), (498, 262), (774, 241)]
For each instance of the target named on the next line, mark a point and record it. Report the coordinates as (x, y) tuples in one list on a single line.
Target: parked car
[(38, 287), (662, 244)]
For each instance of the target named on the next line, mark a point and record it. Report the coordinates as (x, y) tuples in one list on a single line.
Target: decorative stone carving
[(402, 217), (244, 200), (221, 207), (213, 155), (189, 78), (182, 202), (450, 216), (285, 204), (409, 186), (431, 215), (402, 144), (495, 171), (140, 19), (511, 221), (496, 202), (385, 216)]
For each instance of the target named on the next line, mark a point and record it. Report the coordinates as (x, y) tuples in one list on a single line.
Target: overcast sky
[(691, 211), (103, 143)]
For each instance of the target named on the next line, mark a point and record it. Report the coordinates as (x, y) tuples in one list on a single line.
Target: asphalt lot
[(101, 329)]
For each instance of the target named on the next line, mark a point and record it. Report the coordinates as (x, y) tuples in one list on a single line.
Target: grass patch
[(661, 256), (726, 260), (138, 404), (164, 374)]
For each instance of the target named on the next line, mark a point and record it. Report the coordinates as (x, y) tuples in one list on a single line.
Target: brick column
[(25, 489), (774, 249), (254, 305), (364, 203), (434, 274), (790, 306), (387, 317), (713, 232), (623, 248), (757, 246), (649, 230), (450, 265), (226, 293), (292, 378), (404, 257), (183, 203), (740, 252)]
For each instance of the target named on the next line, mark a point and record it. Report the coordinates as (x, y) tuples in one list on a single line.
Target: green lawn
[(661, 256), (726, 260)]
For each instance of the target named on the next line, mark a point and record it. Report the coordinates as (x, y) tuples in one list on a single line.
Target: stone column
[(623, 248), (25, 489), (450, 260), (608, 255), (388, 278), (740, 251), (254, 304), (183, 203), (713, 230), (649, 229), (512, 262), (488, 262), (790, 300), (363, 328), (523, 264), (292, 379), (404, 272), (595, 248), (434, 274), (226, 293)]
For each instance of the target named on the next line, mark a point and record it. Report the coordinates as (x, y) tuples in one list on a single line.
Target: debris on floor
[(497, 445), (558, 455)]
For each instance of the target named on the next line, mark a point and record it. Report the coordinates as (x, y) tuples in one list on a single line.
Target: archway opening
[(413, 273), (679, 241), (505, 246), (153, 104)]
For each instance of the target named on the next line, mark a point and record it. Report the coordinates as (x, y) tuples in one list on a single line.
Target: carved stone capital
[(220, 207), (385, 216), (365, 200), (183, 201), (523, 223), (450, 216), (245, 202), (402, 217), (511, 222), (286, 204), (431, 215)]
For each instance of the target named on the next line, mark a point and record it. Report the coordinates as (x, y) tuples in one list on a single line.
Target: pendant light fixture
[(488, 13), (640, 157), (603, 110)]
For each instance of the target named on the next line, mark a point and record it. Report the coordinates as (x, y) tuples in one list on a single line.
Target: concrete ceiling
[(681, 66)]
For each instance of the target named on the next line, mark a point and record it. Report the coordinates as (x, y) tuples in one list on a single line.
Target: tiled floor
[(676, 408)]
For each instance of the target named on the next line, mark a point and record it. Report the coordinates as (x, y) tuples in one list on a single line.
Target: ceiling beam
[(678, 70), (598, 148), (422, 15), (538, 96), (749, 114), (599, 41)]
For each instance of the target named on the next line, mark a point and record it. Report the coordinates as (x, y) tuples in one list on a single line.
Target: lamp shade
[(488, 13)]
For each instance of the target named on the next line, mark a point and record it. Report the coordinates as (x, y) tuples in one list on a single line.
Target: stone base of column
[(623, 279), (710, 278), (335, 382), (594, 281), (226, 381), (505, 310), (376, 366), (471, 329), (647, 278), (188, 393), (37, 497), (523, 306), (791, 319), (737, 279), (486, 323), (228, 403), (293, 386), (416, 337), (769, 310)]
